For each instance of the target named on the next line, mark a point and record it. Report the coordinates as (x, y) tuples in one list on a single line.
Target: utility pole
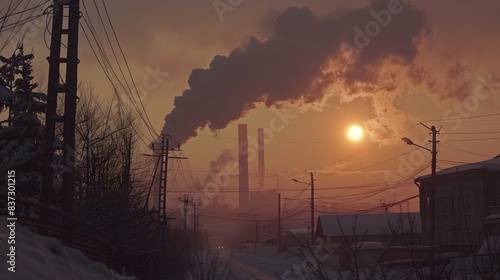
[(163, 158), (279, 223), (432, 199), (431, 233), (186, 202), (162, 187), (256, 231), (55, 144), (312, 208), (195, 227), (312, 203)]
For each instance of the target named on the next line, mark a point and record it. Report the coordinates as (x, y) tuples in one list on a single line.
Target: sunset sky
[(301, 70)]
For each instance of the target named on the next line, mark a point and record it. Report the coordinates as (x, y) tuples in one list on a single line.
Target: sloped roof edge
[(490, 164)]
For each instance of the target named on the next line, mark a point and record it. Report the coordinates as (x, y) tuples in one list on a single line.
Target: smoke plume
[(224, 160), (300, 62)]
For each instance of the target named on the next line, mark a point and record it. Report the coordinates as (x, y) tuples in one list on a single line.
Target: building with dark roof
[(466, 200), (383, 237)]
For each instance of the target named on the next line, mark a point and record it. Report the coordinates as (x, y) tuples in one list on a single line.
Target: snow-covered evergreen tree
[(21, 128)]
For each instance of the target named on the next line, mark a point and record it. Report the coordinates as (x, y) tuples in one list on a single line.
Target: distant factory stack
[(243, 165), (260, 156)]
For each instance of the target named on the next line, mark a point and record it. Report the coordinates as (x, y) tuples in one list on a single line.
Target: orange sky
[(457, 50)]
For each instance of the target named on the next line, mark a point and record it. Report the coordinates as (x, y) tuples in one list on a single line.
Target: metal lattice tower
[(58, 154), (162, 188)]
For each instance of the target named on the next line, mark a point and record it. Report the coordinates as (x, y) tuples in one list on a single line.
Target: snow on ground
[(270, 266), (246, 266), (249, 266), (39, 257)]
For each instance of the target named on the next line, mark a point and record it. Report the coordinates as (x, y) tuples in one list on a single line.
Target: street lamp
[(432, 196), (409, 142), (312, 203)]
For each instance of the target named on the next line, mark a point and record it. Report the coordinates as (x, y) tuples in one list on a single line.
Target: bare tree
[(366, 259)]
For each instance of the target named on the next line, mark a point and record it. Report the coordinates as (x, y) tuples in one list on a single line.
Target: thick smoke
[(223, 161), (304, 57)]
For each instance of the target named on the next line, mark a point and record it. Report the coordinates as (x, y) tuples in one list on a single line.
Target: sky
[(305, 71)]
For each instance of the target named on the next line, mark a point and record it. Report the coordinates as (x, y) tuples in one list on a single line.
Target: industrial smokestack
[(260, 156), (243, 164)]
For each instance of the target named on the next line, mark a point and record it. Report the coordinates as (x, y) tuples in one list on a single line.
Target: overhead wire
[(12, 26), (384, 161), (363, 151), (464, 151), (105, 66), (20, 22), (147, 121), (108, 69), (33, 21), (7, 15), (474, 139), (462, 118), (478, 132)]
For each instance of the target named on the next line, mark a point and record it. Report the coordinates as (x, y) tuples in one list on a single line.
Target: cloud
[(219, 164), (294, 65)]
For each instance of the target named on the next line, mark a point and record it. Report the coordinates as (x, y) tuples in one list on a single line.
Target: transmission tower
[(58, 154), (163, 157)]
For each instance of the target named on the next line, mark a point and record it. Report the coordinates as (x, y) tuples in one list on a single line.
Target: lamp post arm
[(422, 147)]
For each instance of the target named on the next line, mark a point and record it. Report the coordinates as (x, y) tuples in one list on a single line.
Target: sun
[(355, 133)]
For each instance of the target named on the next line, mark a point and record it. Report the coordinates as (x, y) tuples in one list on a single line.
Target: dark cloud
[(291, 66), (458, 82)]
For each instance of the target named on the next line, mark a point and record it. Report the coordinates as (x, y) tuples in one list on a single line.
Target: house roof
[(372, 224), (296, 231), (490, 164)]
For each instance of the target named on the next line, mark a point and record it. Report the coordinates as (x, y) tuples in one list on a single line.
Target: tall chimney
[(243, 164), (260, 156)]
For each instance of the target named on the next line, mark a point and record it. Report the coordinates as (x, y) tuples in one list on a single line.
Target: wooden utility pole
[(185, 202), (162, 187), (163, 157), (279, 223), (312, 208), (431, 233), (195, 226), (63, 147), (256, 231), (432, 199)]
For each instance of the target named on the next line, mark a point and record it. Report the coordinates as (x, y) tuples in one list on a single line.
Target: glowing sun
[(355, 133)]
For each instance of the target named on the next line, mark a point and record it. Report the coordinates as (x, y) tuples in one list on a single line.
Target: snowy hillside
[(39, 257)]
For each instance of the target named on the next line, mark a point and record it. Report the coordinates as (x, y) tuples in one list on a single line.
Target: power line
[(100, 62), (367, 149), (148, 123), (384, 161), (462, 118), (460, 150), (477, 132), (19, 23), (109, 69), (474, 139)]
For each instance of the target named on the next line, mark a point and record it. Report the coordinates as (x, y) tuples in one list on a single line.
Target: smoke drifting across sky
[(305, 61)]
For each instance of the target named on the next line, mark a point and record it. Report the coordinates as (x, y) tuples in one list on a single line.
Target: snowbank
[(39, 257)]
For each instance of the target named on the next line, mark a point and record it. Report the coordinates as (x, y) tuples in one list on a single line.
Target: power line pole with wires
[(59, 148), (312, 208), (279, 223), (162, 153), (163, 157)]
